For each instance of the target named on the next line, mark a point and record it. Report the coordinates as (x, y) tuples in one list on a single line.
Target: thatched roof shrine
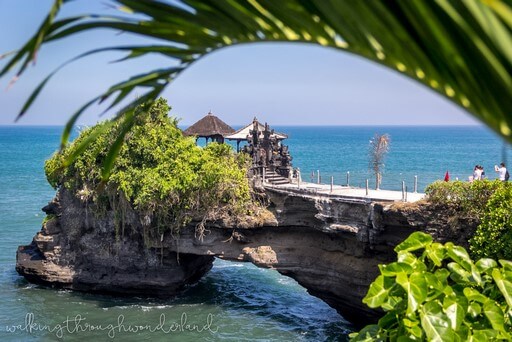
[(209, 127)]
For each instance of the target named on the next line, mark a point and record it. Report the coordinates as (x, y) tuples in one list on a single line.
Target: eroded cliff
[(331, 246), (77, 250)]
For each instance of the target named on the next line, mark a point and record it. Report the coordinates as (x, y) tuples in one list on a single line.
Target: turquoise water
[(239, 301), (426, 152)]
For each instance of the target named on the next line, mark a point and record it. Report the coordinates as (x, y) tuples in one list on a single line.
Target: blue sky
[(283, 84)]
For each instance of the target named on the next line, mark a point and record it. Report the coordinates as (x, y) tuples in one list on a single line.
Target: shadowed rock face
[(76, 250), (329, 246)]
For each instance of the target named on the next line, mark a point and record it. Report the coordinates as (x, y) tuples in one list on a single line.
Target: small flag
[(446, 177)]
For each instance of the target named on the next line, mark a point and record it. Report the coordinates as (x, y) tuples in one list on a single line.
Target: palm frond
[(460, 49)]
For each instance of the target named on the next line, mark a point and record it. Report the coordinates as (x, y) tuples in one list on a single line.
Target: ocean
[(234, 301)]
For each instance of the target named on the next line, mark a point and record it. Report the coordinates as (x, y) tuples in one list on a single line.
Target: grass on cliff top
[(164, 176)]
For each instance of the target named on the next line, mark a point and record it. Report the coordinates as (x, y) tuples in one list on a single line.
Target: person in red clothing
[(446, 177)]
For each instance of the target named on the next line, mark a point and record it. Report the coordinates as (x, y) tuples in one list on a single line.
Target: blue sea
[(241, 302)]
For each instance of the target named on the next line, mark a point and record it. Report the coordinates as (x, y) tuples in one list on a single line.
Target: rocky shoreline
[(330, 246)]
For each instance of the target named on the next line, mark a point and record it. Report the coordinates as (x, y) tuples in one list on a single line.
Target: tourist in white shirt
[(501, 170), (477, 172)]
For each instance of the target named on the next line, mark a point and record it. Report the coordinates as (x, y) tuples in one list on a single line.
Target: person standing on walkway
[(503, 174), (477, 173)]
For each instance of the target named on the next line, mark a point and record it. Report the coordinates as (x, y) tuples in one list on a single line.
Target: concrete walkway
[(340, 191)]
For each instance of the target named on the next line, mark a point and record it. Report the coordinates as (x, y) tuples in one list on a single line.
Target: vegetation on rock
[(493, 237), (164, 176), (462, 198), (48, 218), (489, 203), (435, 292)]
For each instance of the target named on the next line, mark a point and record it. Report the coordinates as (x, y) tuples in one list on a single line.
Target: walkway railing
[(347, 191)]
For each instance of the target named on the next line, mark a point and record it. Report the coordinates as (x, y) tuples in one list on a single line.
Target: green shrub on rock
[(435, 292), (164, 176), (489, 204), (467, 199), (493, 237)]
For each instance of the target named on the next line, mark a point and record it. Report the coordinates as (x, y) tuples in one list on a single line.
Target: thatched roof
[(209, 126)]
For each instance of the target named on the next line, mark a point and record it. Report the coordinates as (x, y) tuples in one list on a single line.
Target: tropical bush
[(493, 237), (467, 199), (489, 204), (435, 292), (164, 176)]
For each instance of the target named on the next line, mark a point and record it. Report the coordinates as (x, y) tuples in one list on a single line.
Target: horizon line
[(284, 125)]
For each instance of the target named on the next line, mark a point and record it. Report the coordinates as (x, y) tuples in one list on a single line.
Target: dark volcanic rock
[(77, 250), (330, 246)]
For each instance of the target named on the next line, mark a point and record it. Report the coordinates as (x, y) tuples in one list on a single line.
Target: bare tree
[(379, 147)]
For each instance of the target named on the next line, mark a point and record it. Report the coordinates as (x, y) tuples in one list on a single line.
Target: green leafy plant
[(459, 49), (164, 176), (466, 199), (487, 204), (493, 237), (436, 292)]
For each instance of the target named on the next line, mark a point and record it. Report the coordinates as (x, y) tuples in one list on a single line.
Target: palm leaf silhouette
[(460, 49)]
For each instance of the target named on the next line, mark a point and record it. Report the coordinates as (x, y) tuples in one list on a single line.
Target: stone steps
[(275, 178)]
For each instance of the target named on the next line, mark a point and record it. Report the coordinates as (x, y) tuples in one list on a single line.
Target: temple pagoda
[(244, 133), (209, 127)]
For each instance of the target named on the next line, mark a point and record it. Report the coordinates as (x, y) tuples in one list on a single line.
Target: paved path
[(349, 192)]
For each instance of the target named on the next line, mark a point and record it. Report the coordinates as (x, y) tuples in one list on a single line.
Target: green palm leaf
[(459, 49)]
